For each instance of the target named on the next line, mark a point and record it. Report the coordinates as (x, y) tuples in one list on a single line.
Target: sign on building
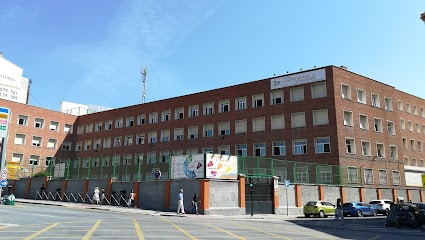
[(4, 121)]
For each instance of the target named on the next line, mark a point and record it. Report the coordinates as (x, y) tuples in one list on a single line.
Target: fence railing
[(108, 199)]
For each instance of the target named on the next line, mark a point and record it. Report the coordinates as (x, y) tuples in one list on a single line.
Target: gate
[(262, 196)]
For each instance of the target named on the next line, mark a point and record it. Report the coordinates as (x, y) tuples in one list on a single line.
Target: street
[(37, 221)]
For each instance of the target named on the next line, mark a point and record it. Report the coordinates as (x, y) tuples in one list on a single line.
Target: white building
[(13, 86)]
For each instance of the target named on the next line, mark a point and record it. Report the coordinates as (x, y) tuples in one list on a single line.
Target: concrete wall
[(221, 196)]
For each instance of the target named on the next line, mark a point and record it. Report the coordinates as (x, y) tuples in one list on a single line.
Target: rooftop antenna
[(143, 72)]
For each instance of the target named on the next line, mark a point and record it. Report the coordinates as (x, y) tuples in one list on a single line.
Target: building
[(352, 129)]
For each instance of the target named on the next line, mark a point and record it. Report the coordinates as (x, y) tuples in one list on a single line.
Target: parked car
[(359, 209), (409, 214), (382, 206), (322, 209), (421, 205)]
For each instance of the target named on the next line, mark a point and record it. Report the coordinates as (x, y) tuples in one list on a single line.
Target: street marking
[(138, 230), (261, 231), (43, 215), (180, 229), (41, 231), (225, 231), (91, 231)]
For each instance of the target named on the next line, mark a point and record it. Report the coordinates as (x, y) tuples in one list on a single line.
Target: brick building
[(329, 116)]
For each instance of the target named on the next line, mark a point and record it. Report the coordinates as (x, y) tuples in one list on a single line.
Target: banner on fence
[(187, 166), (221, 166)]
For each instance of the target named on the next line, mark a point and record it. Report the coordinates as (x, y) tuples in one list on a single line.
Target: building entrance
[(260, 199)]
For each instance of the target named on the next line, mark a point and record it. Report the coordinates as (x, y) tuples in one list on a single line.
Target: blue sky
[(92, 52)]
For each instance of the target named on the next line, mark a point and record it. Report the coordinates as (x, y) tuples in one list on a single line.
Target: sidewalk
[(122, 209)]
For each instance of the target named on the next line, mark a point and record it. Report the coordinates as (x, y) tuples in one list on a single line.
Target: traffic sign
[(3, 183), (4, 121), (3, 175), (287, 183)]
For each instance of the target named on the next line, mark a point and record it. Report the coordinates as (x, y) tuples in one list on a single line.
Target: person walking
[(180, 203), (339, 214), (131, 198), (195, 201), (96, 199), (102, 195)]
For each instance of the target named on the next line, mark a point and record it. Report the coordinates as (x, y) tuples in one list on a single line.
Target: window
[(96, 143), (420, 146), (259, 149), (402, 124), (318, 90), (67, 128), (98, 127), (224, 106), (118, 123), (129, 121), (361, 96), (80, 129), (52, 143), (224, 150), (208, 108), (279, 148), (19, 139), (325, 173), (366, 148), (108, 125), (393, 152), (240, 103), (320, 117), (89, 127), (141, 119), (380, 151), (404, 142), (193, 111), (302, 173), (388, 104), (350, 147), (375, 100), (345, 91), (179, 113), (241, 150), (323, 145), (418, 128), (368, 176), (208, 130), (128, 140), (152, 136), (165, 135), (396, 177), (258, 100), (377, 125), (415, 110), (409, 126), (117, 141), (383, 179), (408, 110), (400, 105), (204, 150), (348, 118), (276, 97), (412, 144), (353, 176), (153, 117), (34, 160), (178, 134), (277, 122), (192, 132), (363, 122), (240, 126), (258, 124), (54, 126), (78, 146), (22, 120), (38, 123), (224, 128), (164, 156), (422, 112), (297, 94), (36, 141), (66, 146), (300, 146), (151, 158), (87, 145), (140, 138), (166, 115), (298, 120), (391, 128)]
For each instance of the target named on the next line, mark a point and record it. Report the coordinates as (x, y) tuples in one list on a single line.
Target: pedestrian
[(180, 203), (339, 214), (195, 201), (102, 195), (96, 199), (130, 198)]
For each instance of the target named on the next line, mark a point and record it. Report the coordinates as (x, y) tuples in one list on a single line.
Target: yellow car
[(322, 209)]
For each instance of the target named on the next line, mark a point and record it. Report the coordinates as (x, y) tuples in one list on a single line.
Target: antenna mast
[(143, 72)]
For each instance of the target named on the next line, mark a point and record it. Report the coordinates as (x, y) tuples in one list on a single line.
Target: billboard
[(187, 166), (221, 166)]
